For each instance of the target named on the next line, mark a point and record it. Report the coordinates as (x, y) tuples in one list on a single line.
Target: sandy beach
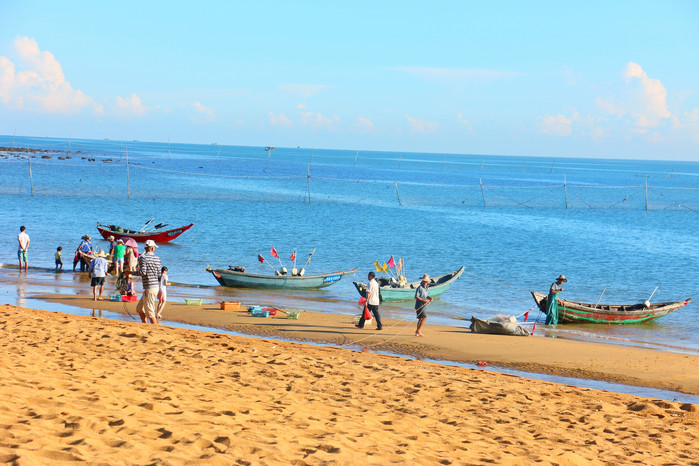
[(79, 388), (586, 360)]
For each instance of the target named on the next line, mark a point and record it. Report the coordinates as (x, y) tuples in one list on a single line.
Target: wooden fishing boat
[(238, 279), (505, 327), (579, 313), (158, 234), (394, 292)]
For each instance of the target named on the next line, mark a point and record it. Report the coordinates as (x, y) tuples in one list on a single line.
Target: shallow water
[(367, 206)]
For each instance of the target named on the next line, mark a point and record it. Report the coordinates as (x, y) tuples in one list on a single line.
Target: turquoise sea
[(623, 227)]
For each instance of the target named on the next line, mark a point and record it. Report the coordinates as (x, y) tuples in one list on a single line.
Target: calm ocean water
[(515, 223)]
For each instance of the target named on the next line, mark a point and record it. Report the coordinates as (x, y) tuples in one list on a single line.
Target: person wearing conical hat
[(553, 301)]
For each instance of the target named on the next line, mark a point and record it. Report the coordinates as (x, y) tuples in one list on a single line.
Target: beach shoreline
[(79, 388), (583, 360)]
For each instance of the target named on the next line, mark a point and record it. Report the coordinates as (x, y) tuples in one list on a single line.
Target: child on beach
[(162, 292), (130, 287), (59, 261)]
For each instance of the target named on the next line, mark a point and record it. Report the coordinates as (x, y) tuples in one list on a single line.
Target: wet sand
[(78, 388), (611, 363)]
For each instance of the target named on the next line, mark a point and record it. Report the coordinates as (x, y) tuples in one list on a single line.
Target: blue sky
[(580, 79)]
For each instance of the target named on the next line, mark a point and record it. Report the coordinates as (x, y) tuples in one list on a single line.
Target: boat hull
[(407, 293), (235, 279), (573, 312), (163, 236)]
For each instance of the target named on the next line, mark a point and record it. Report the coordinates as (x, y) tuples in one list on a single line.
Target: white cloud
[(41, 86), (301, 106), (364, 124), (456, 74), (650, 104), (556, 125), (130, 106), (304, 90), (420, 125), (610, 108), (280, 120), (204, 112), (462, 120), (317, 121)]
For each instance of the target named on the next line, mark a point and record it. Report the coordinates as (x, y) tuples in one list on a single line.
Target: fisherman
[(422, 300), (552, 300), (372, 301)]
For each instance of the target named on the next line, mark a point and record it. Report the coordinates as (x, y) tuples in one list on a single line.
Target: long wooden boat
[(237, 279), (159, 234), (387, 292), (579, 313)]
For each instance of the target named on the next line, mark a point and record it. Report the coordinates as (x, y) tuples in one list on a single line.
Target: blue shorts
[(118, 260), (22, 255)]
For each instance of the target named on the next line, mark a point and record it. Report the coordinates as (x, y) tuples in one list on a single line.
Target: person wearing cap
[(98, 271), (112, 244), (149, 269), (422, 300), (552, 301)]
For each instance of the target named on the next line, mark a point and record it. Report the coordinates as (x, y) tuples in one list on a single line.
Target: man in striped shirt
[(149, 270)]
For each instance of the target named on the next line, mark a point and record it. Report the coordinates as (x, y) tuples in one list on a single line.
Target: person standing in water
[(22, 251), (552, 300)]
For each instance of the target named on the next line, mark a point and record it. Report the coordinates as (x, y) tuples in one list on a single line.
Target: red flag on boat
[(261, 259), (274, 252), (391, 263), (293, 255)]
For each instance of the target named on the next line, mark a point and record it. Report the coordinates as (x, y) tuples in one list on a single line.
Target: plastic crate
[(230, 306), (129, 299), (260, 313), (192, 301), (115, 297), (254, 308), (293, 315)]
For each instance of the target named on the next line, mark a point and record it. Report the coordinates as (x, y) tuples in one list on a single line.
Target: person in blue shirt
[(84, 248), (98, 272)]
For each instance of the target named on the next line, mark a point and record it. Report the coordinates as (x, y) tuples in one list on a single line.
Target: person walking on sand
[(22, 251), (372, 301), (162, 292), (422, 300), (149, 269), (552, 300), (98, 271)]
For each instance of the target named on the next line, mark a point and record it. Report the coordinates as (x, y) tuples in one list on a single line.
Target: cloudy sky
[(581, 79)]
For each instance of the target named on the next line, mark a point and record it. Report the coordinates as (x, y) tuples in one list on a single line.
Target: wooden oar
[(600, 297)]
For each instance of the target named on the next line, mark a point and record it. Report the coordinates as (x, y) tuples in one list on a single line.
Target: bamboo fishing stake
[(128, 182), (398, 194), (309, 182), (565, 189), (482, 192), (31, 179), (355, 158), (400, 157), (645, 176), (219, 152)]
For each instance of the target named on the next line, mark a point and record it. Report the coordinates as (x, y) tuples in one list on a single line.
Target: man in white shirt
[(372, 301), (23, 239)]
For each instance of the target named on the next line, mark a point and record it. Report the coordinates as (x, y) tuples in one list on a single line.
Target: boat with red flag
[(159, 233)]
